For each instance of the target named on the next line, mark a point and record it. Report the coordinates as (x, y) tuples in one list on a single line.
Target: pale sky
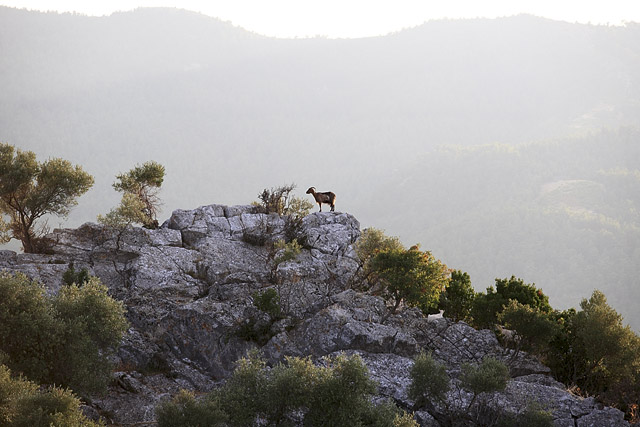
[(354, 18)]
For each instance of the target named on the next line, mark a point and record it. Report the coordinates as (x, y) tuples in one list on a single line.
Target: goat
[(326, 197)]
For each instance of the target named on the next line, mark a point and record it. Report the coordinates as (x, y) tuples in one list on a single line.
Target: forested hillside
[(564, 214), (506, 146)]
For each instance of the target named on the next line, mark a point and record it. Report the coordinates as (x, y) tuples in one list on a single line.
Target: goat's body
[(326, 197)]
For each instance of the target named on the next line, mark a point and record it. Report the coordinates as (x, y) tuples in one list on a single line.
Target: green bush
[(490, 376), (373, 241), (457, 298), (269, 302), (286, 251), (72, 276), (23, 404), (29, 328), (140, 202), (341, 394), (387, 414), (430, 386), (487, 306), (534, 417), (336, 394), (410, 276), (429, 380), (534, 328), (64, 340), (184, 410), (94, 324), (596, 353), (280, 201)]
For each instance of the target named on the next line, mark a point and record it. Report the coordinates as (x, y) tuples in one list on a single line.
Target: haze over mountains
[(506, 146)]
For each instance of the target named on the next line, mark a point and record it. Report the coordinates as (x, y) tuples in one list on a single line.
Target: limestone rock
[(189, 289)]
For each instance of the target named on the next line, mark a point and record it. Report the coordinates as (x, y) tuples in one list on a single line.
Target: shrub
[(533, 416), (387, 414), (287, 251), (410, 276), (29, 329), (596, 353), (140, 202), (373, 241), (490, 376), (430, 387), (184, 410), (23, 404), (429, 380), (457, 298), (280, 201), (72, 276), (341, 393), (63, 340), (241, 396), (487, 306), (534, 328), (275, 200), (94, 324), (337, 394), (269, 302)]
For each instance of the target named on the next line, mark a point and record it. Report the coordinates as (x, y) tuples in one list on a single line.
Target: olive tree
[(411, 276), (140, 201), (30, 190), (67, 339)]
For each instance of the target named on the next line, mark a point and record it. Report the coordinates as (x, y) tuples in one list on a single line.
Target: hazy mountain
[(375, 120)]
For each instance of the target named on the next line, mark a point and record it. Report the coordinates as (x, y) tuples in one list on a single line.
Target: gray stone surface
[(189, 289)]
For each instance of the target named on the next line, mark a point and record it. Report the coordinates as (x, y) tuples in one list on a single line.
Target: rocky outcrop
[(189, 289)]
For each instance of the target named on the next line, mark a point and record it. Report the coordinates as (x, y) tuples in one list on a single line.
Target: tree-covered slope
[(563, 214)]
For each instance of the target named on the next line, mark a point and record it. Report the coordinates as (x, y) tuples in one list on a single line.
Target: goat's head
[(311, 190)]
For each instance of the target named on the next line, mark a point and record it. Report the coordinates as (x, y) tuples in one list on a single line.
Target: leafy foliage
[(269, 302), (534, 328), (72, 276), (286, 251), (184, 410), (487, 306), (28, 327), (596, 353), (336, 394), (429, 380), (430, 387), (280, 201), (373, 241), (457, 298), (23, 404), (491, 375), (63, 340), (140, 201), (412, 276), (94, 324), (29, 190)]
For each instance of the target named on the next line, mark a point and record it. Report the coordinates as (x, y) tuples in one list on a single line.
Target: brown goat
[(326, 197)]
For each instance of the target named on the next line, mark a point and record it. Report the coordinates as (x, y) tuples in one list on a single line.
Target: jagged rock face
[(189, 288)]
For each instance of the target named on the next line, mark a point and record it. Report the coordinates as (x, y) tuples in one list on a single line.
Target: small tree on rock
[(140, 201), (457, 297), (412, 276), (30, 190)]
